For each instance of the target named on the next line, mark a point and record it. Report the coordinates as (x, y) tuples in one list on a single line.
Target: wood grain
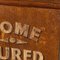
[(48, 1), (46, 19), (31, 4), (43, 14)]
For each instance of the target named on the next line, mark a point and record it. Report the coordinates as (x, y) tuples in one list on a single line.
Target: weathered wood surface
[(53, 1), (32, 4), (44, 14), (46, 19)]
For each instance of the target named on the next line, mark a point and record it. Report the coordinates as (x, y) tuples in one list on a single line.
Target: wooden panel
[(51, 1), (45, 19), (31, 4)]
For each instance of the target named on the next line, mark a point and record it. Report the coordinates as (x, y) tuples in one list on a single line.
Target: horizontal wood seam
[(31, 4)]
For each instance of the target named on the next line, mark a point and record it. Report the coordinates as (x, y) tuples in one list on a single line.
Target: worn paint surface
[(45, 19)]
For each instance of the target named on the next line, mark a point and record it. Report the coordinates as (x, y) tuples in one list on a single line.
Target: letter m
[(22, 30)]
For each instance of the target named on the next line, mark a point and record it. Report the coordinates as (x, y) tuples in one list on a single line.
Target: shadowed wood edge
[(31, 4)]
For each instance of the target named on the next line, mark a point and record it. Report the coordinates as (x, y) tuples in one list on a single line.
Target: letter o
[(3, 28)]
